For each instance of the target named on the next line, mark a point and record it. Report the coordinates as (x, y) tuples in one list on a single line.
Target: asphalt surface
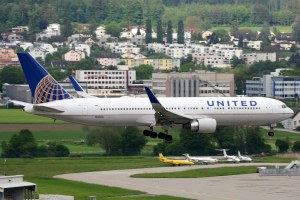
[(245, 187)]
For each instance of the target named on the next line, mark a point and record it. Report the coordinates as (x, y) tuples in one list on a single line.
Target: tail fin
[(44, 88), (161, 155), (224, 152), (239, 154), (75, 84)]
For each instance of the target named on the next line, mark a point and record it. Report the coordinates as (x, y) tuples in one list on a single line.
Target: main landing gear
[(161, 135)]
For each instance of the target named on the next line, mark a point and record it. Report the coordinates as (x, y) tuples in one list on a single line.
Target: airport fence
[(279, 172)]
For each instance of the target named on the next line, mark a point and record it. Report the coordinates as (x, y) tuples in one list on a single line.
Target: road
[(245, 187)]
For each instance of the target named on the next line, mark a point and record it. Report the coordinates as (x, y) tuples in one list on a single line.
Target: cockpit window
[(283, 106)]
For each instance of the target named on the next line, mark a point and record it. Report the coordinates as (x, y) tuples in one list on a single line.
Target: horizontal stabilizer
[(42, 108), (20, 103)]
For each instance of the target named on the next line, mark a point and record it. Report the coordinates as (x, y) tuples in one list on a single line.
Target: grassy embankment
[(283, 29)]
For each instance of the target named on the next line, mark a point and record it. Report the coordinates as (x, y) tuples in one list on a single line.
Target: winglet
[(75, 84), (151, 96)]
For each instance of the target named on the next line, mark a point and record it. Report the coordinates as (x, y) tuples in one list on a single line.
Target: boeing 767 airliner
[(199, 114)]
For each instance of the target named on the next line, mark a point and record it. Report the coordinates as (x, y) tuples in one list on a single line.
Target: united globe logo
[(49, 90)]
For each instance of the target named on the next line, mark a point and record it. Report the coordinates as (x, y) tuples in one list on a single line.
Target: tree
[(148, 38), (159, 32), (296, 28), (254, 141), (192, 22), (170, 32), (12, 74), (196, 143), (132, 141), (57, 73), (20, 144), (282, 145), (144, 72), (180, 32), (113, 28), (108, 138), (296, 146)]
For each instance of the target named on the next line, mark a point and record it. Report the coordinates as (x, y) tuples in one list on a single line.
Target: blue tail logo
[(44, 88)]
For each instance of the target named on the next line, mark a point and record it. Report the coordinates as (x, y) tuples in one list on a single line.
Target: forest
[(195, 13)]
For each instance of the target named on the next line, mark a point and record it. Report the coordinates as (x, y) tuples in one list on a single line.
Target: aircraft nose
[(290, 112)]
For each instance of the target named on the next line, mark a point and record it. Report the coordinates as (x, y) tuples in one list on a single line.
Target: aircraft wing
[(164, 116)]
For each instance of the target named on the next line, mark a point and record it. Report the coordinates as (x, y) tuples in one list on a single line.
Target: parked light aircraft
[(174, 161), (244, 158), (233, 159), (199, 114), (201, 160)]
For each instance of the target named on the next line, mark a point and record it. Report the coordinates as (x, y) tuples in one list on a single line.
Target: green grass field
[(41, 171), (18, 116), (283, 29), (200, 173)]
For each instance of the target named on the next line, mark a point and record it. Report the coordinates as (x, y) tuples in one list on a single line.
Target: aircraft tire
[(146, 132), (153, 134), (161, 135), (168, 138), (271, 133)]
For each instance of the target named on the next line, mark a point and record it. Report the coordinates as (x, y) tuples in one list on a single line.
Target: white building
[(132, 31), (81, 47), (122, 48), (25, 45), (107, 82), (274, 85), (252, 58), (38, 52), (52, 30), (47, 47)]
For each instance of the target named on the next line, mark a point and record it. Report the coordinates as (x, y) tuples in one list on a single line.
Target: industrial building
[(193, 84)]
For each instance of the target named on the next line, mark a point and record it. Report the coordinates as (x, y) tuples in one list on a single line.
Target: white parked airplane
[(244, 158), (201, 160), (199, 114), (233, 159)]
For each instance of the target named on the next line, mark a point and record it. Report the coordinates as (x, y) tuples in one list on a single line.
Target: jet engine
[(204, 125)]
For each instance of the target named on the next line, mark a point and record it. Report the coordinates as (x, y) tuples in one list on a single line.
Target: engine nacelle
[(204, 125)]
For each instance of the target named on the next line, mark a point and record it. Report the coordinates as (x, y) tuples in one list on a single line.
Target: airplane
[(244, 158), (173, 161), (79, 90), (198, 114), (233, 159), (201, 160)]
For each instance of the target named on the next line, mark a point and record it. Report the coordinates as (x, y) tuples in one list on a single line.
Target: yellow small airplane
[(173, 161)]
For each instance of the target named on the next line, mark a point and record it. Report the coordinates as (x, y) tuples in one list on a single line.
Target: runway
[(245, 187)]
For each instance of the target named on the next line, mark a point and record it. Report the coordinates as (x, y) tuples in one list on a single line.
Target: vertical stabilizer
[(224, 153), (44, 88), (239, 154)]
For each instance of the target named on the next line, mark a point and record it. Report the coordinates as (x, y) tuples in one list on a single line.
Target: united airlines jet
[(199, 114)]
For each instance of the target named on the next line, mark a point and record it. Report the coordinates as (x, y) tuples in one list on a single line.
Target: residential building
[(20, 29), (47, 47), (160, 64), (8, 57), (108, 59), (274, 85), (74, 55), (11, 37), (25, 45), (193, 84), (38, 52), (106, 82), (122, 48), (52, 30), (81, 47), (252, 44), (132, 31), (293, 122), (252, 58)]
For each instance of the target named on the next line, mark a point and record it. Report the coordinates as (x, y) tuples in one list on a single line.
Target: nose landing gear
[(271, 131)]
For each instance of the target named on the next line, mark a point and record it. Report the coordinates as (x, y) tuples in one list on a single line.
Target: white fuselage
[(139, 111), (204, 160)]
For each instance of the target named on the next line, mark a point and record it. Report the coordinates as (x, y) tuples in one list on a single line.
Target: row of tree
[(25, 145), (37, 14)]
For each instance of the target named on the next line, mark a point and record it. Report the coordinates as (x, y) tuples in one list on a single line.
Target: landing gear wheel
[(161, 135), (146, 132), (168, 138), (153, 134), (271, 133)]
